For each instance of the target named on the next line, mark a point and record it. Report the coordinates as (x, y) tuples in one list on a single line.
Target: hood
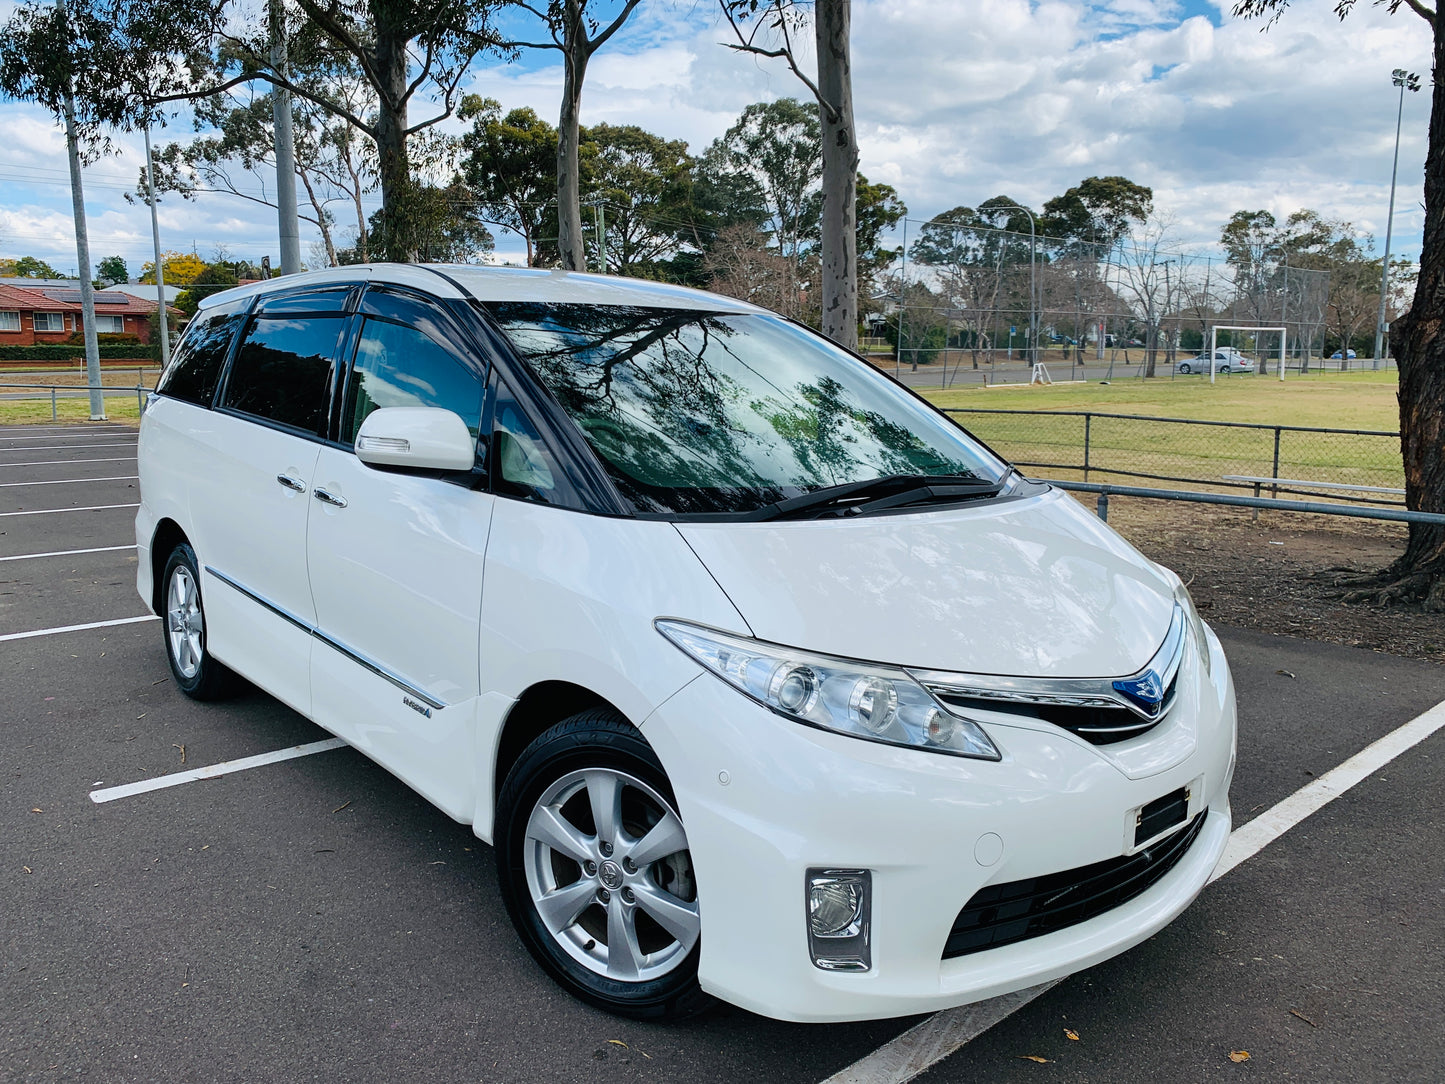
[(1032, 587)]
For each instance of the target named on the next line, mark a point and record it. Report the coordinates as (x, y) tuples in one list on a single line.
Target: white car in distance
[(1226, 360), (766, 681)]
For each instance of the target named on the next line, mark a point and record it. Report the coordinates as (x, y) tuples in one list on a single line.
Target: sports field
[(1359, 400), (1125, 450)]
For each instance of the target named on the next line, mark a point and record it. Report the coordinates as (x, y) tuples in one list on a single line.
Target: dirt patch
[(1275, 574)]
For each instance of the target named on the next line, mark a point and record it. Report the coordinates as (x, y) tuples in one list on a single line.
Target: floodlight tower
[(1405, 81)]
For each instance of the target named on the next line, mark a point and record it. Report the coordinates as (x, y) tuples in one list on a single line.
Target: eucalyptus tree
[(510, 165), (574, 29), (767, 28), (405, 51)]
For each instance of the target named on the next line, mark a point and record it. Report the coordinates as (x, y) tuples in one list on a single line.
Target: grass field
[(1118, 448), (1362, 400), (37, 411)]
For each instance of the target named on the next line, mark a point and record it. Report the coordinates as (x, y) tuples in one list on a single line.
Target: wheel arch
[(168, 535), (540, 707)]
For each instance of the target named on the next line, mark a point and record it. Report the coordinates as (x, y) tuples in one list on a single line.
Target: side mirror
[(421, 438)]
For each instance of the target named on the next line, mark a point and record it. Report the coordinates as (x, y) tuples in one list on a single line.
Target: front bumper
[(764, 799)]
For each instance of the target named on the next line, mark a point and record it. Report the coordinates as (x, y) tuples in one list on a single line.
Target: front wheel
[(595, 869), (196, 673)]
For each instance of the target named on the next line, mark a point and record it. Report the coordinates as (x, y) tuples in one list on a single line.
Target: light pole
[(1405, 81)]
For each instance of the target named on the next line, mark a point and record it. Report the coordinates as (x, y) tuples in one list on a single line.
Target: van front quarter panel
[(571, 597)]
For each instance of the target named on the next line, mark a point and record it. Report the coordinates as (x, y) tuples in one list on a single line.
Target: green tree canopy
[(510, 164)]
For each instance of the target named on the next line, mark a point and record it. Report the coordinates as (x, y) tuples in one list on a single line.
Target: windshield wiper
[(874, 494)]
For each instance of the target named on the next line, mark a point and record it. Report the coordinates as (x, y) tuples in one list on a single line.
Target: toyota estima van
[(766, 681)]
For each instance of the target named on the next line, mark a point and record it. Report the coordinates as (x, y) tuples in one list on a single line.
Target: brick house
[(31, 315)]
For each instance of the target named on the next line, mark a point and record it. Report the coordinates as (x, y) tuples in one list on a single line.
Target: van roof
[(471, 282)]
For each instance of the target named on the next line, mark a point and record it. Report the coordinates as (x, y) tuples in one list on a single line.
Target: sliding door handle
[(329, 498)]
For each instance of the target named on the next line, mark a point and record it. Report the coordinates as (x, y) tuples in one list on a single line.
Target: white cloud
[(955, 103)]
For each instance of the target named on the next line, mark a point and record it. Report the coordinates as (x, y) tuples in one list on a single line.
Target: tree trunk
[(321, 219), (393, 166), (1420, 338), (839, 269), (570, 249)]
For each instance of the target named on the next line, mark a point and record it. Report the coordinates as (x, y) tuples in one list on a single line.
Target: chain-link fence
[(971, 300), (1347, 464)]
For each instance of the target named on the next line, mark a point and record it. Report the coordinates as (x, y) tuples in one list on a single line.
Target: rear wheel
[(1184, 368), (196, 674), (595, 869)]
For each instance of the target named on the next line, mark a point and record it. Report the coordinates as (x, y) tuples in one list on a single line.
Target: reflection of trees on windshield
[(700, 412), (833, 436)]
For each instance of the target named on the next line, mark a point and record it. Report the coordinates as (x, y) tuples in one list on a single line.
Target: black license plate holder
[(1161, 814)]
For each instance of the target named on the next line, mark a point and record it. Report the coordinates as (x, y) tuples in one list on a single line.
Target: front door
[(396, 571)]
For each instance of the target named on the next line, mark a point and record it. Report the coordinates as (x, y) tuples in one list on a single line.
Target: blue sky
[(955, 102)]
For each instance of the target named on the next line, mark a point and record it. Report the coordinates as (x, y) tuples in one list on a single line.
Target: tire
[(1185, 369), (573, 890), (193, 669)]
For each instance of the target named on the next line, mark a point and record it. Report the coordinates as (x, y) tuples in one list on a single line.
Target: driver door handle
[(295, 484)]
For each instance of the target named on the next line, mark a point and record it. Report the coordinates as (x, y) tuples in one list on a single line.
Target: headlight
[(879, 703), (1196, 625)]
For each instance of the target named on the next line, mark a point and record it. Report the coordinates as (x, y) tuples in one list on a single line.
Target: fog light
[(839, 912)]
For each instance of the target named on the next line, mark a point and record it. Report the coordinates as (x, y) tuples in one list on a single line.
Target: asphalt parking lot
[(314, 920)]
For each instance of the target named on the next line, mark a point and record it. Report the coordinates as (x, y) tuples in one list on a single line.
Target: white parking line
[(64, 553), (924, 1045), (85, 508), (55, 437), (77, 628), (67, 462), (110, 794), (72, 447), (68, 481)]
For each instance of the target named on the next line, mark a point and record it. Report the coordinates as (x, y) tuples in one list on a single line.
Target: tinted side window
[(398, 366), (522, 464), (282, 371), (196, 364)]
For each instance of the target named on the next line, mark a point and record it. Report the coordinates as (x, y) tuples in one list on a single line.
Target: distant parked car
[(1226, 360), (1349, 354)]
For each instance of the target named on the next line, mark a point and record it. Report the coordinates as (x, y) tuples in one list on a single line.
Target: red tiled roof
[(58, 299)]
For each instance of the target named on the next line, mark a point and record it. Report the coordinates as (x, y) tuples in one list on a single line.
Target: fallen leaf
[(644, 1053), (434, 863), (1292, 1012), (1068, 1032), (614, 1042), (182, 748), (1033, 1057), (1238, 1055), (27, 869), (1286, 673), (37, 809), (343, 805)]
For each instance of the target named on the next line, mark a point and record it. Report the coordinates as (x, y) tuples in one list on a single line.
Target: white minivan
[(766, 681)]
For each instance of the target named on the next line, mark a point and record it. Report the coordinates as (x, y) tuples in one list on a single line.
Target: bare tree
[(1145, 281)]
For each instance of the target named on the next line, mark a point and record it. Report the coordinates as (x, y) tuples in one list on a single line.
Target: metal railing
[(1191, 451), (54, 390), (1396, 515)]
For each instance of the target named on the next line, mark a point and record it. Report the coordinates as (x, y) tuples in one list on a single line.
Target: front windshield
[(697, 412)]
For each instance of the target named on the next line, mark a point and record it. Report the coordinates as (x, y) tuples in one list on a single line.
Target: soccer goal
[(1254, 330)]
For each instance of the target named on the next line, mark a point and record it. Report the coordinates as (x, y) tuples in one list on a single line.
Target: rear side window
[(195, 366), (398, 366), (282, 371)]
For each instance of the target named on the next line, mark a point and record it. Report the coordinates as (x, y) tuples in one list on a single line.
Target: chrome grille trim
[(960, 691)]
